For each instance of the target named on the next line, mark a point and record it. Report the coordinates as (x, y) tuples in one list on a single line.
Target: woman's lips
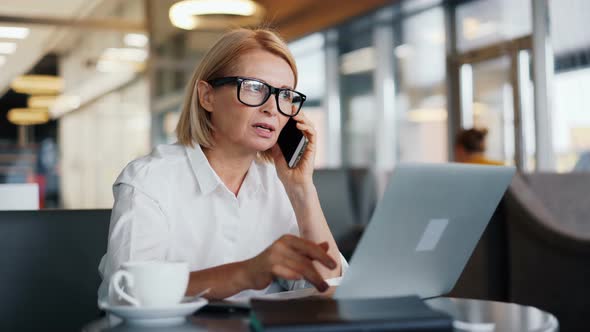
[(263, 130)]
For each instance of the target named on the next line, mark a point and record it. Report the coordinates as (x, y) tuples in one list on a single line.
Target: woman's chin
[(262, 146), (264, 149), (254, 149)]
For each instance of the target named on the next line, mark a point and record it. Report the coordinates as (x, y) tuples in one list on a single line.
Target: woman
[(470, 147), (214, 199)]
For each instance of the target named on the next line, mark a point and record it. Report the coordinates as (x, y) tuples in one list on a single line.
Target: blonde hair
[(194, 125)]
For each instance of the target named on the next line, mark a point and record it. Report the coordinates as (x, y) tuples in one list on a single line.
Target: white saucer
[(154, 316)]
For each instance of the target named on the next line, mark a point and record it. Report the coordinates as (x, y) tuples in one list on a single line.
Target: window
[(310, 55), (421, 98), (357, 64), (571, 101), (481, 23)]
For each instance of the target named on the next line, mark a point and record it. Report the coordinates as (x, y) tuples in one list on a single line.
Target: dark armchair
[(49, 260), (548, 218), (345, 196)]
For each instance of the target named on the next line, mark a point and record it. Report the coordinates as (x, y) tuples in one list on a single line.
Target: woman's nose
[(270, 106)]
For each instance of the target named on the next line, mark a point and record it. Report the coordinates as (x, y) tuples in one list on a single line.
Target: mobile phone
[(292, 143)]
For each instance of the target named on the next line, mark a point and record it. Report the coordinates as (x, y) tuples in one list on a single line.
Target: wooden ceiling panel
[(296, 18), (277, 11)]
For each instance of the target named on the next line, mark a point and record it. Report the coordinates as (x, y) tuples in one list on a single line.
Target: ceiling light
[(41, 101), (28, 116), (64, 104), (128, 59), (124, 54), (37, 84), (2, 60), (14, 32), (7, 47), (190, 14), (135, 40), (111, 66)]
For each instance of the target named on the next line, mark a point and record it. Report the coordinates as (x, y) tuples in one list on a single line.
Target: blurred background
[(88, 85)]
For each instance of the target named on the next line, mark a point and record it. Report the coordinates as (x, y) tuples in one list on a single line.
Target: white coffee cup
[(150, 283)]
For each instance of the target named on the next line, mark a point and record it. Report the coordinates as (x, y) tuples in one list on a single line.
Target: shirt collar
[(208, 180), (252, 182)]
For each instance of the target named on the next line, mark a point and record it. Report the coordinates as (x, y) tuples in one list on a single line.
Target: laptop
[(424, 230)]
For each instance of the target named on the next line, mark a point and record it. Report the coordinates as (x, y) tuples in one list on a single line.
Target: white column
[(543, 77), (332, 101), (384, 87)]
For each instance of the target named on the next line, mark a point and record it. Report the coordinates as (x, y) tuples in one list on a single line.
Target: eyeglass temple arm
[(222, 81)]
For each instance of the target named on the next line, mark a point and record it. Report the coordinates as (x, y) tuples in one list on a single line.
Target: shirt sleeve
[(138, 230)]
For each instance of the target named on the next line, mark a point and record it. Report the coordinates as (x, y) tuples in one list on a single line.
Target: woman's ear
[(206, 96)]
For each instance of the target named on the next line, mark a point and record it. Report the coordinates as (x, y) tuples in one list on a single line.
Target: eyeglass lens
[(255, 93)]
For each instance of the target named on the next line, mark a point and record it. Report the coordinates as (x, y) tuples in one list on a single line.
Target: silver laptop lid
[(424, 230)]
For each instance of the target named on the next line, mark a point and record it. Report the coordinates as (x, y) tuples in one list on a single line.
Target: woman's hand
[(301, 175), (290, 257)]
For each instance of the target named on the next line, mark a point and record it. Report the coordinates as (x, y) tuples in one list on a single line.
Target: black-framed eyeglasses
[(253, 92)]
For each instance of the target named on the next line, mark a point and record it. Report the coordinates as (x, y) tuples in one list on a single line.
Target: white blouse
[(171, 205)]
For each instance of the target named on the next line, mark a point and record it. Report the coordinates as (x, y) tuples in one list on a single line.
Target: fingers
[(305, 125), (308, 130), (312, 251), (292, 257), (303, 266), (304, 122), (286, 273), (301, 117)]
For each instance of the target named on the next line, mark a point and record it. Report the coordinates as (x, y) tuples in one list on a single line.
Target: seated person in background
[(223, 198), (470, 147)]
